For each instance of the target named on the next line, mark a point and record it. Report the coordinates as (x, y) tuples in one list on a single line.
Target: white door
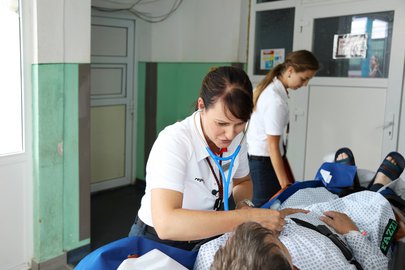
[(16, 174), (112, 87), (361, 113)]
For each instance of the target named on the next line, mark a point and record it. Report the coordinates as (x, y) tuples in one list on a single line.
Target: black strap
[(324, 230), (218, 201)]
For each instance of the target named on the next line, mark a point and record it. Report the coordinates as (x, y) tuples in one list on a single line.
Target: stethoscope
[(218, 159)]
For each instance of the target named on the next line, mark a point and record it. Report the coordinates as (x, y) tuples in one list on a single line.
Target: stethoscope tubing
[(225, 180)]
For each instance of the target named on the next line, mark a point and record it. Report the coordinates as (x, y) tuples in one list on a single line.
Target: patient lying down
[(364, 223)]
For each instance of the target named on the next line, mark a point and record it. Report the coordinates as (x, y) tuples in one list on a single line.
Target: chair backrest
[(342, 177)]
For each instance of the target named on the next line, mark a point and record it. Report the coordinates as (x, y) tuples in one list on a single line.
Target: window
[(11, 114), (377, 29), (274, 33)]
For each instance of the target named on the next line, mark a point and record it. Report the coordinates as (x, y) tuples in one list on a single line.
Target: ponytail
[(301, 61)]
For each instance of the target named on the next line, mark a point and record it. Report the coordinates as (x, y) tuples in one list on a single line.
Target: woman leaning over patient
[(183, 185), (270, 119)]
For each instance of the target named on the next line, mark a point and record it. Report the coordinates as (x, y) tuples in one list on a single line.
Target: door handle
[(388, 126), (298, 113)]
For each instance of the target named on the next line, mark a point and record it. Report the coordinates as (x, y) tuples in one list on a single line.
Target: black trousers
[(139, 228)]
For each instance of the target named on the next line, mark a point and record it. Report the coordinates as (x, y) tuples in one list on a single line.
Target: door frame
[(131, 112), (305, 13), (396, 67)]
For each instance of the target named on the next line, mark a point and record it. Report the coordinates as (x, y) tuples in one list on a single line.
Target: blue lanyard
[(226, 180)]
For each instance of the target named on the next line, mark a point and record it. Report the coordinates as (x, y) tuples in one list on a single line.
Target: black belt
[(258, 157), (151, 232), (148, 229)]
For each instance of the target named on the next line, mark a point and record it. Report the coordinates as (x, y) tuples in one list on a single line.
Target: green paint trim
[(71, 187), (139, 124), (55, 160)]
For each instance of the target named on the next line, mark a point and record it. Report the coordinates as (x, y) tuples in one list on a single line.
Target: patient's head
[(252, 247)]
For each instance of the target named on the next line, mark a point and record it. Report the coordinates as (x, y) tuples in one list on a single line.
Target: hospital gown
[(309, 249)]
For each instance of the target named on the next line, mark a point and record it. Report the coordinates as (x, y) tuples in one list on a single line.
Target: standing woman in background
[(269, 121)]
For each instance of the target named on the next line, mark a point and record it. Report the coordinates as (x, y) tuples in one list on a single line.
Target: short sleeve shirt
[(270, 117), (178, 162)]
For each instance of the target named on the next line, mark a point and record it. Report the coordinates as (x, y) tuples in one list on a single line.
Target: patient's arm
[(366, 253), (339, 221)]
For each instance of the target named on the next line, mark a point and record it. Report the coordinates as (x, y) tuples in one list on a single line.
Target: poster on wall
[(270, 58), (349, 46)]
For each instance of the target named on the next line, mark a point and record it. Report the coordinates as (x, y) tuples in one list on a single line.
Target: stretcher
[(346, 173), (110, 256)]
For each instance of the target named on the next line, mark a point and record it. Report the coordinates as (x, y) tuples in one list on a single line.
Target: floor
[(113, 212)]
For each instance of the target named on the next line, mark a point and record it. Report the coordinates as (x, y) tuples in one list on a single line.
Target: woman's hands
[(272, 219), (339, 221)]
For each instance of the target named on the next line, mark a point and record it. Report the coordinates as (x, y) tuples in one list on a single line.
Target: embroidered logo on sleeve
[(388, 236)]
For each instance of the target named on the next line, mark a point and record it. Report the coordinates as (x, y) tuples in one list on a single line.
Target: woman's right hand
[(271, 219)]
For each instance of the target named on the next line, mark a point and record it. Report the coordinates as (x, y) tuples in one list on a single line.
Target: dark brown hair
[(233, 86), (249, 248), (301, 60)]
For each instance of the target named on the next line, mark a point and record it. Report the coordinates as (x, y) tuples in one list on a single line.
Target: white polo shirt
[(177, 162), (270, 117)]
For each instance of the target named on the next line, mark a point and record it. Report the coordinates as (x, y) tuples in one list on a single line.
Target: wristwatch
[(247, 202)]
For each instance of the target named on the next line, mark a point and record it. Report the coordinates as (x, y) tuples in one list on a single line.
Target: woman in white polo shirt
[(270, 120), (183, 184)]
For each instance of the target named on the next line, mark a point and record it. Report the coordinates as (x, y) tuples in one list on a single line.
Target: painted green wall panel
[(71, 159), (178, 88), (139, 124), (48, 162), (55, 159)]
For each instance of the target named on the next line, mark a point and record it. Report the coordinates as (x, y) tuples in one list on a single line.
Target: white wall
[(62, 28), (401, 136), (199, 31)]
